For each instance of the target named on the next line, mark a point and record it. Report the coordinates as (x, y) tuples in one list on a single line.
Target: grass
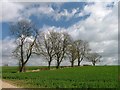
[(77, 77)]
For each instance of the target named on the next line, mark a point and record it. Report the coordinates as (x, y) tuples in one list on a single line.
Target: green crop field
[(77, 77)]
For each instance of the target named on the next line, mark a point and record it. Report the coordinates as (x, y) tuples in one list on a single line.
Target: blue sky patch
[(45, 19)]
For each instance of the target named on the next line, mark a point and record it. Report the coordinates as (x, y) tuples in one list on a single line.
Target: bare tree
[(82, 49), (72, 53), (93, 57), (25, 33), (44, 47), (59, 40)]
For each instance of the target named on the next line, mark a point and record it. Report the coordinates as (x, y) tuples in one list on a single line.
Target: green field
[(77, 77)]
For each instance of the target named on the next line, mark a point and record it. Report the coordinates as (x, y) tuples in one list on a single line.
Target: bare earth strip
[(6, 85)]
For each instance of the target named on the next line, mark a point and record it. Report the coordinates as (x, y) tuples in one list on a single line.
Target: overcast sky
[(95, 22)]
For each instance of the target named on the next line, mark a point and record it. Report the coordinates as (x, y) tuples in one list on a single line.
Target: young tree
[(25, 33), (59, 40), (44, 47), (82, 48), (72, 53), (93, 57)]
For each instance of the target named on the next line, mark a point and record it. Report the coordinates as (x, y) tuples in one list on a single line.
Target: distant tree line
[(52, 45)]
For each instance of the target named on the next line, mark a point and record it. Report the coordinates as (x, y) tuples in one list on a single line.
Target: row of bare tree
[(51, 44)]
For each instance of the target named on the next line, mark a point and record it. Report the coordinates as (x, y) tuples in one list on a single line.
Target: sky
[(95, 22)]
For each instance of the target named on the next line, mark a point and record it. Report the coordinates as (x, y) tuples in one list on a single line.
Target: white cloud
[(50, 12), (67, 14), (7, 48), (14, 10), (10, 11), (39, 11), (102, 27), (97, 10)]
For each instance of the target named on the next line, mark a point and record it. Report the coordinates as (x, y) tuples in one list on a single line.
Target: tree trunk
[(93, 63), (78, 62), (22, 60), (19, 66), (22, 68), (49, 63), (72, 63), (58, 64), (78, 59)]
